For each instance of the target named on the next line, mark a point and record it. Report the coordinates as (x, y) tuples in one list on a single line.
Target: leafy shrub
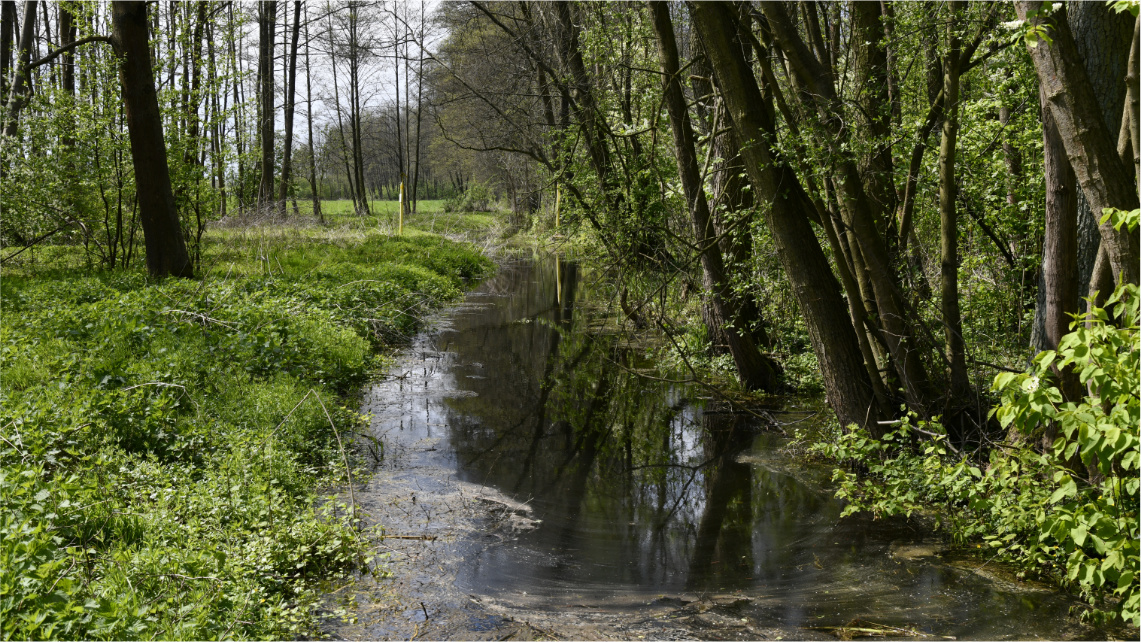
[(1029, 507)]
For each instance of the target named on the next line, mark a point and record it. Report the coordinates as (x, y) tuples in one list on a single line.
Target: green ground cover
[(172, 452)]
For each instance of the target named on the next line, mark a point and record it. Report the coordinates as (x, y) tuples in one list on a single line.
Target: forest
[(220, 220)]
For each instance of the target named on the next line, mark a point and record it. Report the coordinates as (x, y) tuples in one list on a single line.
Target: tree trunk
[(67, 31), (816, 290), (959, 393), (755, 370), (7, 34), (290, 103), (1061, 287), (18, 81), (267, 15), (419, 114), (1105, 180), (872, 95), (314, 192), (856, 208), (162, 234)]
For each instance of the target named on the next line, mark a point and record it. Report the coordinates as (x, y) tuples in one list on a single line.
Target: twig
[(163, 384), (344, 457), (203, 317)]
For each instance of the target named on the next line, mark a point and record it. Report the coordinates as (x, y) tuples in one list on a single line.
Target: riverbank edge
[(143, 496)]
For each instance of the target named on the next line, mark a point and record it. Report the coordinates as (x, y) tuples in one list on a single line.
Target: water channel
[(531, 471)]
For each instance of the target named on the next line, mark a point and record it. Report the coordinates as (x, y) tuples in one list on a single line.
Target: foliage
[(165, 445), (1071, 511), (478, 197)]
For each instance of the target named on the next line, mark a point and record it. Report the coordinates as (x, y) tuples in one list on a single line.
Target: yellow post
[(558, 198), (400, 224), (558, 279)]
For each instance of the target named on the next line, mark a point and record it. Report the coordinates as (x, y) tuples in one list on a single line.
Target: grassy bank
[(169, 449)]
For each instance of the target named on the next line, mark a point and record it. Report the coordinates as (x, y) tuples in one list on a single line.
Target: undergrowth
[(1066, 511), (171, 451)]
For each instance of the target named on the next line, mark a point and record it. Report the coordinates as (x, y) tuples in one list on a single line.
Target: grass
[(171, 451)]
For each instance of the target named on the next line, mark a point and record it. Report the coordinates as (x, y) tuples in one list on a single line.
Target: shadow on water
[(643, 492)]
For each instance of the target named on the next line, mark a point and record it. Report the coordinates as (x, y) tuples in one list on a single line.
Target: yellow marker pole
[(400, 223), (558, 280), (558, 198)]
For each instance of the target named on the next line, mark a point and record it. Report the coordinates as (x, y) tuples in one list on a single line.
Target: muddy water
[(530, 475)]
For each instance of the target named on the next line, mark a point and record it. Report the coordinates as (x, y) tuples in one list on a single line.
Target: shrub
[(1029, 507)]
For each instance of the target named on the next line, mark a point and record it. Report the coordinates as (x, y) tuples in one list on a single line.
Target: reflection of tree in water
[(620, 468)]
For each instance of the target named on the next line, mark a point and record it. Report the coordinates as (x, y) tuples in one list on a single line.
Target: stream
[(540, 479)]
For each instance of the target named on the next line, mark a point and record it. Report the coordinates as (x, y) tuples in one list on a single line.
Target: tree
[(754, 369), (290, 93), (817, 292), (166, 250), (18, 80), (267, 15), (1106, 180)]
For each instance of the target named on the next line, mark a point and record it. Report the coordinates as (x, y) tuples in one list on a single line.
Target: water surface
[(645, 489)]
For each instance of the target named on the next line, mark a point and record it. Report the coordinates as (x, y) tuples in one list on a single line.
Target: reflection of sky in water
[(642, 492)]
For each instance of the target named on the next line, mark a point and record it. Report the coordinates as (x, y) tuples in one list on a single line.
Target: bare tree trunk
[(355, 116), (959, 393), (67, 32), (340, 119), (873, 95), (400, 158), (309, 119), (1059, 246), (1092, 150), (18, 80), (755, 370), (162, 234), (7, 34), (419, 112), (290, 93), (267, 15)]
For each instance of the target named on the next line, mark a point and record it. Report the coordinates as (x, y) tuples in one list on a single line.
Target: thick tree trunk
[(290, 104), (66, 37), (817, 292), (162, 234), (755, 370), (1061, 287), (872, 94), (7, 34), (954, 349), (1092, 150), (267, 15)]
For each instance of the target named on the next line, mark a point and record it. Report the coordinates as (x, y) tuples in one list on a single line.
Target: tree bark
[(1092, 150), (1059, 246), (7, 34), (816, 290), (290, 104), (954, 349), (755, 370), (162, 234), (18, 82), (314, 192), (267, 15), (871, 76), (856, 208)]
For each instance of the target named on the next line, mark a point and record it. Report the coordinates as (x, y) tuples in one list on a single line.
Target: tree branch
[(66, 48)]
